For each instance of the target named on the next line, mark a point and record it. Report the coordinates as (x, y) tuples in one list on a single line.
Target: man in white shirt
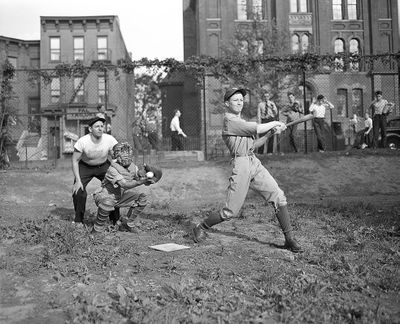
[(380, 108), (90, 160), (176, 132), (318, 110)]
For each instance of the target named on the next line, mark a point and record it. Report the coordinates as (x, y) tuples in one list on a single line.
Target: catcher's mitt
[(149, 168), (156, 171)]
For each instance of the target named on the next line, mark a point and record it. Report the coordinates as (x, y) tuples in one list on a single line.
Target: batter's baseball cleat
[(199, 234), (292, 245)]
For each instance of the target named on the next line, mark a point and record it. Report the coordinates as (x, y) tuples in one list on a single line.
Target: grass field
[(52, 272)]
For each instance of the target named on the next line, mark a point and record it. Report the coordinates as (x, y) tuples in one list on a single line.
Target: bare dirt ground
[(345, 210)]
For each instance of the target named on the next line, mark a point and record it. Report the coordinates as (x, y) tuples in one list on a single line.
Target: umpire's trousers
[(87, 173)]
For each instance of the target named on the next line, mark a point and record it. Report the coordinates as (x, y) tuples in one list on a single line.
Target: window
[(102, 49), (55, 90), (250, 9), (339, 49), (243, 47), (304, 43), (352, 9), (257, 10), (258, 47), (295, 44), (13, 61), (342, 105), (337, 9), (298, 6), (78, 48), (55, 49), (101, 86), (300, 43), (79, 95), (242, 9), (35, 63), (345, 9), (309, 97), (357, 98), (34, 119), (354, 49)]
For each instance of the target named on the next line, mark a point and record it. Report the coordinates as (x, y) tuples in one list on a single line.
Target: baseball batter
[(247, 170), (121, 176)]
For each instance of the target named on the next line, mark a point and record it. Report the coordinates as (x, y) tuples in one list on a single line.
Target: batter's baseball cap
[(230, 92), (95, 120)]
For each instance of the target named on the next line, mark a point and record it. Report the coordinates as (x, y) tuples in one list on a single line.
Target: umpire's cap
[(230, 92), (95, 120)]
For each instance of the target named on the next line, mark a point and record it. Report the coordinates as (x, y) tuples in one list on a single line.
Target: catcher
[(121, 176)]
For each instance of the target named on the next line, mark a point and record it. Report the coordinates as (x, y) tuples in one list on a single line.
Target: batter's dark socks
[(212, 220), (284, 219)]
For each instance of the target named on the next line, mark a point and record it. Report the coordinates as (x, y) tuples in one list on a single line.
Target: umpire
[(90, 159)]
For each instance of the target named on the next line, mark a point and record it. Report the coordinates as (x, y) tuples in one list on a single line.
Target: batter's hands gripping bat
[(294, 122)]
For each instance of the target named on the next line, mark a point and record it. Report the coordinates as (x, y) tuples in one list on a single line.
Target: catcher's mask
[(123, 153)]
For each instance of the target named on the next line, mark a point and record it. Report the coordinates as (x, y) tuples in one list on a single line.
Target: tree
[(255, 47)]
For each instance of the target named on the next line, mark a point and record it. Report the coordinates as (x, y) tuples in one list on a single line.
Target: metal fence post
[(304, 105), (205, 116)]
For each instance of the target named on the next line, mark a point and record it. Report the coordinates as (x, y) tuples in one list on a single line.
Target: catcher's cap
[(95, 120), (230, 92)]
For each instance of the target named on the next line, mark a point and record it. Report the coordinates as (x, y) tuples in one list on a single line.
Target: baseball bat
[(301, 120)]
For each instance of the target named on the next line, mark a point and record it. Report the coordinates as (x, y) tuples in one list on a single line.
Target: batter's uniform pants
[(248, 172)]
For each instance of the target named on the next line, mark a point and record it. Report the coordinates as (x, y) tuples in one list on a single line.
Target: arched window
[(354, 49), (339, 48), (295, 43), (304, 43), (258, 47)]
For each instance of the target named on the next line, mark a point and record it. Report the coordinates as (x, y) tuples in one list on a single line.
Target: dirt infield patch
[(345, 211)]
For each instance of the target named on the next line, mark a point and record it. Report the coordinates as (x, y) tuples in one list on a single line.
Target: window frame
[(55, 51), (296, 6), (360, 111), (55, 90), (345, 8), (77, 51), (80, 95), (102, 52), (101, 89), (250, 10), (346, 101)]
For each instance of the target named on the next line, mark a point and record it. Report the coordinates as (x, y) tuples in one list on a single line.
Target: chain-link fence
[(50, 110)]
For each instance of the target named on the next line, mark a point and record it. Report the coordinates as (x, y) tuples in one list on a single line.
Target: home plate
[(168, 247)]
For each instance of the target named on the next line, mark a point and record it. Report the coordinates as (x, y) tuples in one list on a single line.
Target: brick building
[(64, 105), (366, 27)]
